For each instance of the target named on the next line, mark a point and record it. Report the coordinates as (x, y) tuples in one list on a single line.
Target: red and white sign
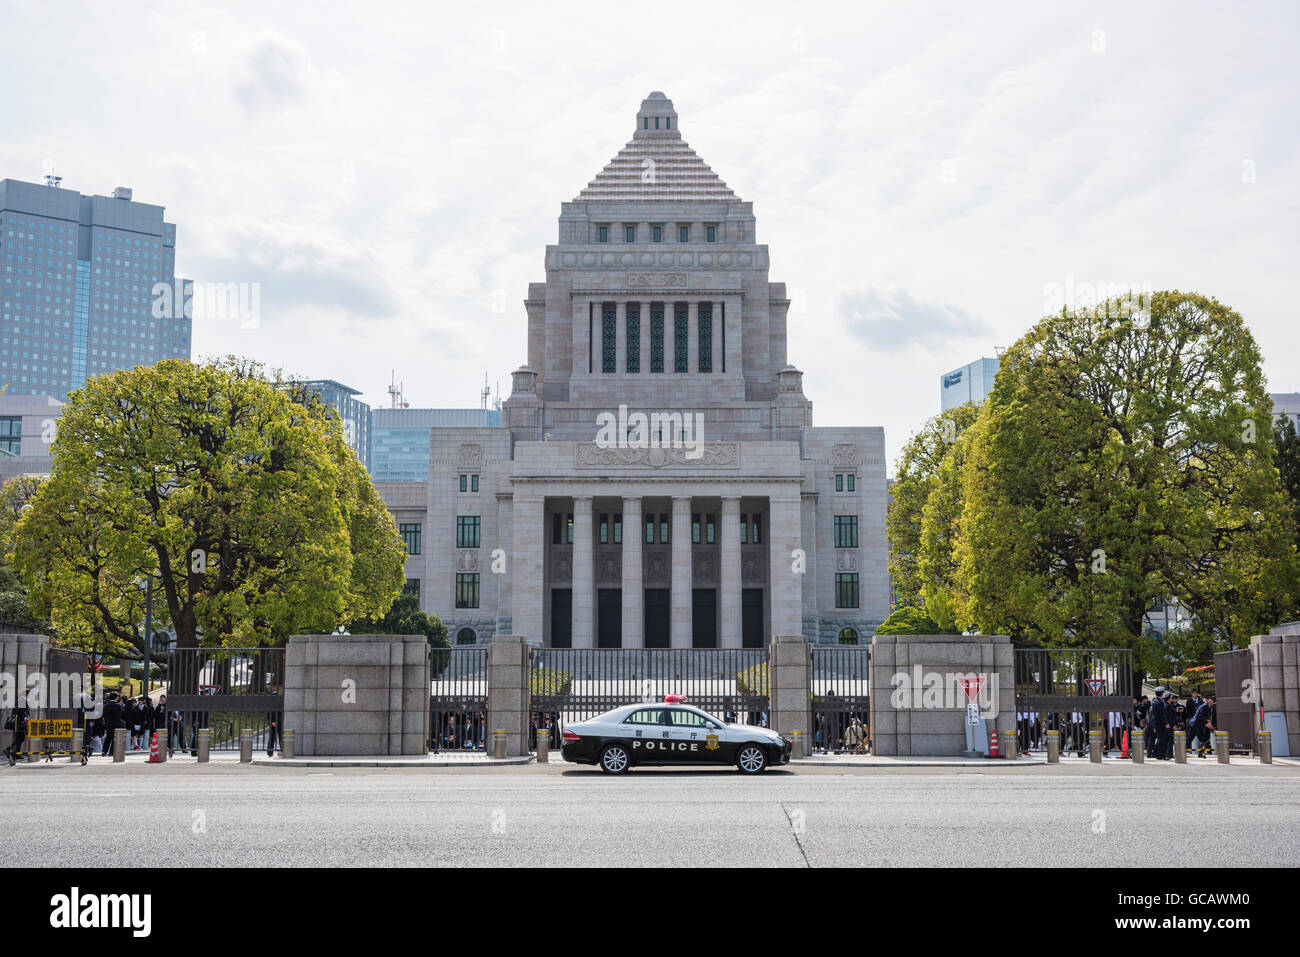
[(971, 685), (1096, 685)]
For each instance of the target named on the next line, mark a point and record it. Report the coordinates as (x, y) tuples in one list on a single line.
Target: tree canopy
[(235, 489), (405, 618)]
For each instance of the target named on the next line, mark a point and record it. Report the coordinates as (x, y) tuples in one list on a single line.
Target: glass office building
[(353, 413), (399, 438), (77, 291)]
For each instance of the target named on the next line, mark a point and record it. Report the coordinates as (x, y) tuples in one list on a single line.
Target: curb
[(905, 763), (364, 762)]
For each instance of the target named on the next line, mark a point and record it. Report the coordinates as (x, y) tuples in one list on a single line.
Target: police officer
[(17, 723), (113, 719), (1200, 728)]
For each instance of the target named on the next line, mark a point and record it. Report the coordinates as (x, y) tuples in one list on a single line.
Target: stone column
[(527, 567), (505, 539), (633, 588), (692, 336), (729, 567), (620, 337), (789, 686), (508, 692), (735, 337), (717, 338), (643, 337), (783, 536), (583, 558), (681, 562), (582, 357), (811, 612)]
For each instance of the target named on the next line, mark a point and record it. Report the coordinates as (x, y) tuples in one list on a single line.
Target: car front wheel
[(614, 759), (751, 759)]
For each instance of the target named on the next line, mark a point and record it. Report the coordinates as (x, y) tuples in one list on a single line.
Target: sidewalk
[(450, 759), (913, 761)]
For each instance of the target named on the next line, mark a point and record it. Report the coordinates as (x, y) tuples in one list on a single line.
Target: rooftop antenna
[(396, 394), (496, 403), (52, 179), (485, 393)]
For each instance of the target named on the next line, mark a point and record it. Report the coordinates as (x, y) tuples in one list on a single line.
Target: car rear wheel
[(614, 759), (751, 759)]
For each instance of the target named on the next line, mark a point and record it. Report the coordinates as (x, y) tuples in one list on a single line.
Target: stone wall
[(357, 694), (1275, 663), (27, 651), (921, 726)]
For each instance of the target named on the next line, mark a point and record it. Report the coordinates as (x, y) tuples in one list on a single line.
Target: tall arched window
[(848, 636), (466, 636)]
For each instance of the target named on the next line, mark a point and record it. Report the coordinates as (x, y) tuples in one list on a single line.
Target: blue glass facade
[(399, 439)]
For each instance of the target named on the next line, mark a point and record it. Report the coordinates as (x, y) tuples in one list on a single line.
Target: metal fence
[(840, 686), (1073, 691), (228, 690), (458, 699), (573, 684)]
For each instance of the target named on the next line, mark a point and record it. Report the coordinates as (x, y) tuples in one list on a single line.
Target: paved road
[(559, 814)]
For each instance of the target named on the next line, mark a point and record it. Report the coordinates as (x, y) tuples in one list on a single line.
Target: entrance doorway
[(751, 618), (704, 618), (609, 622), (657, 618), (562, 618)]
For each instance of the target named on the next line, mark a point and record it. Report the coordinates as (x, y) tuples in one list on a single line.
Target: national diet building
[(657, 480)]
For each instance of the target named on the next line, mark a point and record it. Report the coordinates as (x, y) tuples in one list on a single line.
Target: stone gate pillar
[(789, 674), (509, 669)]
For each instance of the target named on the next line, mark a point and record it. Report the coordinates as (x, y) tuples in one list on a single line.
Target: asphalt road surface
[(181, 814)]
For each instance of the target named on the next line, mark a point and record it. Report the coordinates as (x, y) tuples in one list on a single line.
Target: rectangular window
[(850, 481), (556, 519), (609, 340), (846, 531), (706, 338), (657, 234), (464, 482), (711, 234), (633, 337), (657, 339), (695, 529), (758, 529), (680, 361), (410, 537), (568, 535), (709, 534), (467, 531), (466, 590), (604, 529), (839, 481), (412, 587), (649, 529), (683, 234), (846, 590), (744, 529), (618, 528), (629, 234), (604, 234), (11, 434), (663, 529), (473, 483)]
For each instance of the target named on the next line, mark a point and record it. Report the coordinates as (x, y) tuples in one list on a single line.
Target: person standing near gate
[(113, 719), (272, 732), (1167, 719), (17, 723)]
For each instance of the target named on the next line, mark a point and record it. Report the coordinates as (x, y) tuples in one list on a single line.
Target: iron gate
[(1234, 707), (840, 697), (568, 685), (1073, 691), (458, 698), (228, 690)]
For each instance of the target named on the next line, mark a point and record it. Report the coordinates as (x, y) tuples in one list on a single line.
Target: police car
[(670, 732)]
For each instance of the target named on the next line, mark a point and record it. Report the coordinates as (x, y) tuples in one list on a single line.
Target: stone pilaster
[(583, 588), (508, 693), (729, 568), (692, 337), (620, 337), (786, 585), (526, 566), (789, 680), (633, 588), (681, 572)]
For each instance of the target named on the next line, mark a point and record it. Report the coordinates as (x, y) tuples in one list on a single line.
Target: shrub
[(549, 682), (753, 681)]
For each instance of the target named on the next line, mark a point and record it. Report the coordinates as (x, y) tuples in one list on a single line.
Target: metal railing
[(228, 690), (458, 699), (1073, 691), (840, 686)]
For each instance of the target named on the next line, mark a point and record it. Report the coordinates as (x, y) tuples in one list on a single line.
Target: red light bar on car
[(674, 698)]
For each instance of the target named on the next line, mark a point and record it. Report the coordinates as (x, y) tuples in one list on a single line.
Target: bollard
[(1094, 747), (1221, 746), (162, 751), (119, 745), (498, 743), (1011, 744), (34, 749), (286, 743), (1180, 747), (205, 744), (543, 746), (796, 749), (1266, 747), (1053, 747), (246, 746), (1137, 746)]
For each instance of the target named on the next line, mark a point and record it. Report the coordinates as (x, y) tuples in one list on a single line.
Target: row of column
[(725, 336)]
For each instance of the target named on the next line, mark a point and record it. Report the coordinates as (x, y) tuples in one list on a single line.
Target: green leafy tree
[(910, 620), (405, 617), (936, 562), (917, 474), (15, 607), (236, 490), (1287, 446), (1118, 463)]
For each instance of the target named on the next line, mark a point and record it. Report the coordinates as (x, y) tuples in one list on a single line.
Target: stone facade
[(1275, 667), (713, 520), (357, 694)]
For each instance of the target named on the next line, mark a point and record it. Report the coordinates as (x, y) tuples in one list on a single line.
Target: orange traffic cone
[(1124, 752), (153, 751), (993, 745)]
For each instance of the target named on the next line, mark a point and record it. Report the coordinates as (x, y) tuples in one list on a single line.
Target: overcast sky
[(928, 177)]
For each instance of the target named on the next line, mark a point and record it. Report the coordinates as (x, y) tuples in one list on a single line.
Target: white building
[(657, 480)]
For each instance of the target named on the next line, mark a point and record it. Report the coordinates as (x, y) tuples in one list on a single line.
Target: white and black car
[(670, 732)]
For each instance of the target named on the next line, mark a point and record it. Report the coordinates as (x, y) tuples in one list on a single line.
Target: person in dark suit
[(272, 732), (17, 723), (113, 719)]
